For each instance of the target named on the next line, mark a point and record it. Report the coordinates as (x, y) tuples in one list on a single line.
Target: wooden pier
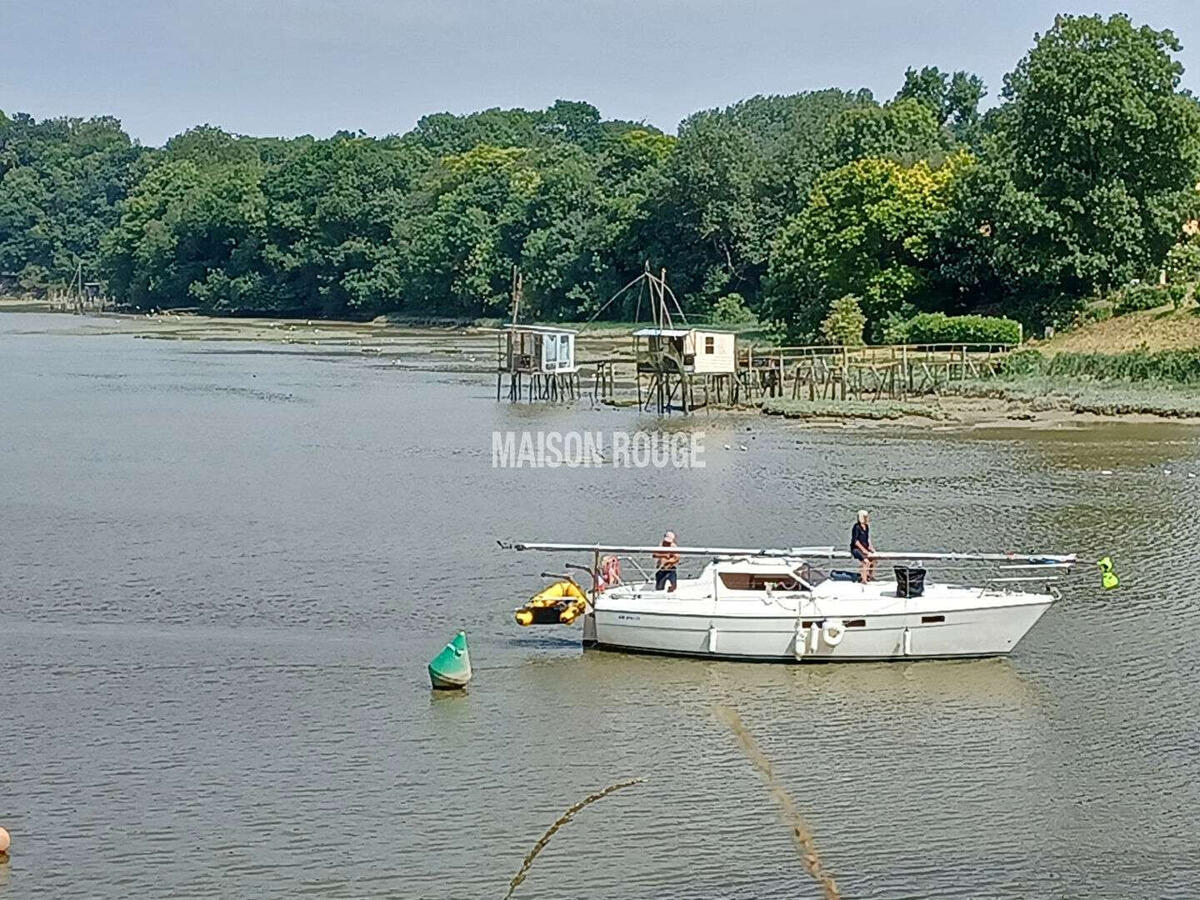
[(874, 372)]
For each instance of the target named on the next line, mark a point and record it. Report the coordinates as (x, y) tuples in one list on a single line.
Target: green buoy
[(451, 669), (1108, 578)]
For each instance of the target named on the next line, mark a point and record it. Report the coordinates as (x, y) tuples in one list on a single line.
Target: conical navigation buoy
[(451, 669)]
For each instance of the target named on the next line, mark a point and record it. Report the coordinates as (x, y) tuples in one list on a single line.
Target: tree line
[(1077, 183)]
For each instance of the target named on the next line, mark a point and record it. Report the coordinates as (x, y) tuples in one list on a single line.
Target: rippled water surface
[(223, 572)]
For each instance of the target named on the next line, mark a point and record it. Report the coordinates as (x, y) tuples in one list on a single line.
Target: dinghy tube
[(561, 603)]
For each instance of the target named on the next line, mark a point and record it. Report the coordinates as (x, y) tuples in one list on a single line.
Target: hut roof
[(663, 332), (540, 329)]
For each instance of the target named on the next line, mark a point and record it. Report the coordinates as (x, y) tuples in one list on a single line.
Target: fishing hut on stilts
[(538, 359), (680, 367)]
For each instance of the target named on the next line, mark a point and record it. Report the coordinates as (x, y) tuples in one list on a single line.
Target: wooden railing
[(892, 370)]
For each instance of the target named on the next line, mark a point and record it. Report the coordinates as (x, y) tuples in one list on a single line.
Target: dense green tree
[(192, 235), (869, 230), (953, 98), (905, 130), (61, 183), (734, 177), (332, 210), (1089, 171)]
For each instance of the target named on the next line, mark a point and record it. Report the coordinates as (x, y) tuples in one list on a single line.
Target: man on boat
[(860, 546), (667, 561)]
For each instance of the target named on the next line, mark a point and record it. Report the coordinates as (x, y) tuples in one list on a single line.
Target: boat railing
[(636, 565)]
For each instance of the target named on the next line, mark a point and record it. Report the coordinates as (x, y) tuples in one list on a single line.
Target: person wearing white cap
[(861, 547), (666, 562)]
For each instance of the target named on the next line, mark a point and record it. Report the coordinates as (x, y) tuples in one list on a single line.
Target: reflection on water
[(222, 576)]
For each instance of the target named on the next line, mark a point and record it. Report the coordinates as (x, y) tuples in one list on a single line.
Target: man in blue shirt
[(860, 546)]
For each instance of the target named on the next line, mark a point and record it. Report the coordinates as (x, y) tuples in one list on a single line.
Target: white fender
[(833, 632), (712, 638), (814, 637), (801, 637), (907, 642)]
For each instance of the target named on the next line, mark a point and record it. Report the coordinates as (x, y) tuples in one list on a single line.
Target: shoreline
[(471, 350)]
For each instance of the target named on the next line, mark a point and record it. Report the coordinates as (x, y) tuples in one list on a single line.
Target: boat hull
[(902, 635)]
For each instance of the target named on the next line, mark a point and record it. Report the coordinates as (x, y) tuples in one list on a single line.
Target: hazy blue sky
[(291, 67)]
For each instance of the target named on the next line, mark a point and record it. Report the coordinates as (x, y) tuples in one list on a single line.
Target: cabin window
[(932, 620), (857, 623), (749, 581), (710, 345)]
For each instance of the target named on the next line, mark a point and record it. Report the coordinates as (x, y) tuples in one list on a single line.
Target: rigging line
[(608, 302), (675, 300)]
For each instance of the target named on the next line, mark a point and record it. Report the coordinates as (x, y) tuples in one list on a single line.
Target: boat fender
[(798, 644), (712, 638), (833, 632), (814, 637), (907, 642)]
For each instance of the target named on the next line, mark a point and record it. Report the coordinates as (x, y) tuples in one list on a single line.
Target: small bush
[(844, 323), (1021, 364), (1183, 269), (939, 328), (732, 310), (1138, 297), (1178, 294), (1099, 311)]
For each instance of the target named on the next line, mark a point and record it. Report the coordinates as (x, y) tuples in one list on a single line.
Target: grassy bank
[(1169, 367), (1112, 398), (1148, 330), (877, 410)]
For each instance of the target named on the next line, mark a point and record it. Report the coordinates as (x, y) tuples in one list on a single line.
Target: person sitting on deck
[(860, 546), (666, 562)]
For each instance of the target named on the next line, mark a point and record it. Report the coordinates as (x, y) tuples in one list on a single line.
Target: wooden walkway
[(876, 372)]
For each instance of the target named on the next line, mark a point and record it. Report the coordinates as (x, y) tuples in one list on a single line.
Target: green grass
[(1167, 366), (849, 409)]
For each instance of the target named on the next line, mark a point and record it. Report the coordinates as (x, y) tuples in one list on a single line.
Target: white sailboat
[(791, 605)]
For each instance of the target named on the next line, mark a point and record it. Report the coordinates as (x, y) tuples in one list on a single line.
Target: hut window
[(710, 344)]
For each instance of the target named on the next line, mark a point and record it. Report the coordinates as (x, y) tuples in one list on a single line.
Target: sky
[(289, 67)]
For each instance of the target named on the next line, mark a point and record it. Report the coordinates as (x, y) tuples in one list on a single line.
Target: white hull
[(835, 621), (983, 632)]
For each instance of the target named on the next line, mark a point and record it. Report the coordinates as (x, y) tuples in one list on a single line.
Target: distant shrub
[(732, 310), (1138, 297), (1183, 269), (844, 323), (1098, 311), (939, 328), (1178, 294), (1022, 364)]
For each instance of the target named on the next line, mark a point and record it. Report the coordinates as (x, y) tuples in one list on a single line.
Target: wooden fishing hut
[(675, 361), (540, 358)]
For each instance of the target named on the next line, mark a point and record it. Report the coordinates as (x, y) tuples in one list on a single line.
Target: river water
[(224, 568)]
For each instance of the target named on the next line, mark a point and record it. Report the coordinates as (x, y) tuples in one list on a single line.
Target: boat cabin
[(687, 351), (537, 350)]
